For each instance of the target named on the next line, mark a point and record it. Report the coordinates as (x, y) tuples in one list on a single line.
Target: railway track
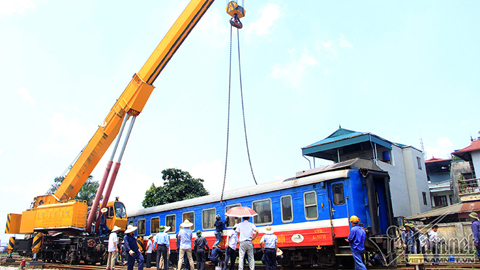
[(18, 262)]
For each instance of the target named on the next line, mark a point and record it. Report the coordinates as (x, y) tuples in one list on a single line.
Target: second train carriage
[(309, 213)]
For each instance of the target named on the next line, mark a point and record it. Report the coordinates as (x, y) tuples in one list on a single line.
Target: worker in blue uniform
[(103, 229), (356, 239), (133, 253), (215, 256), (161, 243), (219, 224), (476, 231)]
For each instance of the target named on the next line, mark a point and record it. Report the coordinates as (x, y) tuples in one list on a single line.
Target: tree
[(178, 185), (86, 193)]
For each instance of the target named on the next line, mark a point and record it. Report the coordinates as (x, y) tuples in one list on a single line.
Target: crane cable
[(243, 111)]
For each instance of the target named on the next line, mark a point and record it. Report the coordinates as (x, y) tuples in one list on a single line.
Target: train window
[(154, 225), (170, 222), (264, 211), (120, 210), (191, 217), (338, 196), (208, 218), (231, 221), (311, 210), (141, 227), (286, 206)]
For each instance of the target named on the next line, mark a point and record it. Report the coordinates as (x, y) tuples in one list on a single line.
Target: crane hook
[(235, 22)]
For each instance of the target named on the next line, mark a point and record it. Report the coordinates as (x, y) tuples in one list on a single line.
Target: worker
[(408, 240), (133, 253), (123, 254), (416, 238), (161, 243), (269, 245), (185, 257), (103, 229), (475, 231), (167, 229), (356, 239), (112, 248), (140, 244), (247, 233), (231, 248), (218, 230), (434, 244), (148, 252), (215, 256), (200, 247), (185, 237)]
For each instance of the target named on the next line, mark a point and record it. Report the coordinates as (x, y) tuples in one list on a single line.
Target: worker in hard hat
[(356, 239)]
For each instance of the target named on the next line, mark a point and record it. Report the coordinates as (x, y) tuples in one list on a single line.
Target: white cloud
[(332, 47), (264, 25), (295, 69), (9, 7), (344, 43), (131, 185), (25, 95), (213, 28), (212, 173), (441, 149), (67, 135)]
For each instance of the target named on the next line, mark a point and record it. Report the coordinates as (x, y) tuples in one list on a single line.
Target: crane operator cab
[(116, 215), (237, 12)]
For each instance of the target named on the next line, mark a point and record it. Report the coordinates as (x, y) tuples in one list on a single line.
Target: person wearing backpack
[(475, 231)]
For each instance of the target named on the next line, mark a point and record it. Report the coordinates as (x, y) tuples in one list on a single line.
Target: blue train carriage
[(309, 212)]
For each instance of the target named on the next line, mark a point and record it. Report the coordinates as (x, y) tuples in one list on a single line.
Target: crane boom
[(132, 100)]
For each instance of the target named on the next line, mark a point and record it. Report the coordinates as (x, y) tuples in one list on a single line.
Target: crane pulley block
[(234, 9)]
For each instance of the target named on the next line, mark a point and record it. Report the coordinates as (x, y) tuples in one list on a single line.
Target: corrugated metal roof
[(341, 138), (465, 152), (458, 208), (437, 160), (339, 134), (355, 163), (451, 209)]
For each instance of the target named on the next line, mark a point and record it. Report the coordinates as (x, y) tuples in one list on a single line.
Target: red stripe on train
[(294, 238)]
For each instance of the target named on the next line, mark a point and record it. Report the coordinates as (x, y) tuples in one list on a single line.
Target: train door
[(379, 202), (338, 208)]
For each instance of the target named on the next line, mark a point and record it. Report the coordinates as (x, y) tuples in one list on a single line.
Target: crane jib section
[(132, 100)]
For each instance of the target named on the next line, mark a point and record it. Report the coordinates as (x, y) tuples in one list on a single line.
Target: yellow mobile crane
[(56, 226)]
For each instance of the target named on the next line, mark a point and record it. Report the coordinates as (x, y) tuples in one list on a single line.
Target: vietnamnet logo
[(433, 250)]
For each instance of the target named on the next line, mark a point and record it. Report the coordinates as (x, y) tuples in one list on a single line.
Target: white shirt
[(246, 230), (270, 240), (433, 237), (149, 246), (233, 240), (112, 241)]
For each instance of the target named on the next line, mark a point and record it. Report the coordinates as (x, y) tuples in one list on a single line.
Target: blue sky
[(404, 70)]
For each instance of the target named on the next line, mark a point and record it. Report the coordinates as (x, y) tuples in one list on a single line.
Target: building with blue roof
[(405, 165)]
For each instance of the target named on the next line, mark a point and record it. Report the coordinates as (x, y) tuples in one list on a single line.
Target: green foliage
[(56, 183), (178, 185), (86, 193)]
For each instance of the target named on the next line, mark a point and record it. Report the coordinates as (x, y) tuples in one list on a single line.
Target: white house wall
[(417, 180), (398, 184), (476, 163)]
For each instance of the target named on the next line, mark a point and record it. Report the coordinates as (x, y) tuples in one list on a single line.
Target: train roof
[(330, 172)]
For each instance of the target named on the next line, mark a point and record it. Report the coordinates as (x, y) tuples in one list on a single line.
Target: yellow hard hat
[(354, 219)]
